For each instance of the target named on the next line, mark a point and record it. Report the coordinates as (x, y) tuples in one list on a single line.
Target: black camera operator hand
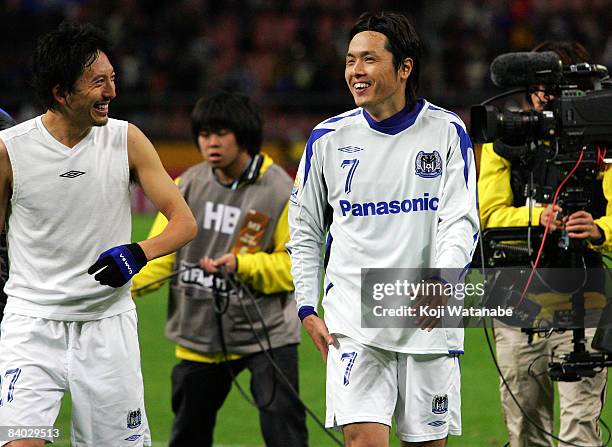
[(540, 97), (580, 225), (555, 223)]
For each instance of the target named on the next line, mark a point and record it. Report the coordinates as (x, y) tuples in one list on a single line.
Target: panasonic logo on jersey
[(126, 263), (424, 203)]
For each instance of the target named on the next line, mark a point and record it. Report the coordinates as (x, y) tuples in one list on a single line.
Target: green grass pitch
[(237, 422)]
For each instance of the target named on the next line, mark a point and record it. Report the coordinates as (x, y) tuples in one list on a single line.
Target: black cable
[(221, 297), (503, 95), (221, 304), (238, 284), (531, 365), (530, 250), (529, 419)]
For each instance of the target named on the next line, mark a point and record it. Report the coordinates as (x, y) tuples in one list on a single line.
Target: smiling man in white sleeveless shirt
[(70, 323)]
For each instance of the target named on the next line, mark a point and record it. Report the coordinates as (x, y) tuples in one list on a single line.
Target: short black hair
[(229, 111), (569, 52), (402, 41), (62, 55)]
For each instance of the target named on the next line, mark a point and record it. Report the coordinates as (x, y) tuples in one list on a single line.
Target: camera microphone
[(526, 68)]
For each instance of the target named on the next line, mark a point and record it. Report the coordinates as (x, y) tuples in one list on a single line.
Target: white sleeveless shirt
[(68, 206)]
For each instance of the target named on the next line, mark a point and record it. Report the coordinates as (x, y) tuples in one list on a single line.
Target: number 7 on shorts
[(351, 356), (11, 372)]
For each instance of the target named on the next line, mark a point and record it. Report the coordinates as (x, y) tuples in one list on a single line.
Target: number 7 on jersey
[(349, 178)]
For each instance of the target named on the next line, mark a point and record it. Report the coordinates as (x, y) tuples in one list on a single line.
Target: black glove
[(117, 265)]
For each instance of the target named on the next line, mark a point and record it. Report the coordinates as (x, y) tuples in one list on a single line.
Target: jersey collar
[(402, 120)]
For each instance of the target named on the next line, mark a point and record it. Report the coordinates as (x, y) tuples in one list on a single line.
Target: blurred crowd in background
[(288, 55)]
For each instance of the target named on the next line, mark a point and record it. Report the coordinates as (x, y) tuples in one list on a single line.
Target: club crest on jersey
[(439, 404), (428, 164), (134, 418)]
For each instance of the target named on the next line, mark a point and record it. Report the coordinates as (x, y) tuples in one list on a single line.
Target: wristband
[(306, 311)]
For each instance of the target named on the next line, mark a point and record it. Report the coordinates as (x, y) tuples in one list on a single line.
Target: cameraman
[(505, 169)]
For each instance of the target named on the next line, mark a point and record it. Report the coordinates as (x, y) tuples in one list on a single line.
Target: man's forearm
[(180, 230)]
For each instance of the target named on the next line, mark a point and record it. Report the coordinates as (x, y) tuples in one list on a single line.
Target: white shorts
[(98, 362), (368, 384)]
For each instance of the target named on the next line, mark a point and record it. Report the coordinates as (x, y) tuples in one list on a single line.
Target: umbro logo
[(350, 149), (71, 174)]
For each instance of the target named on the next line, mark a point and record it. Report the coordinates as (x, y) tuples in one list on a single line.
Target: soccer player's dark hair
[(402, 41), (230, 111), (62, 55)]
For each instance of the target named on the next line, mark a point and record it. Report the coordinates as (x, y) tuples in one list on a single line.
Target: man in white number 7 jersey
[(390, 184)]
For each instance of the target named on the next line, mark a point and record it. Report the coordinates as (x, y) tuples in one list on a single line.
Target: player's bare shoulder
[(139, 146)]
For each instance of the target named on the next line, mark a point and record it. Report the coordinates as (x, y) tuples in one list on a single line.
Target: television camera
[(573, 132)]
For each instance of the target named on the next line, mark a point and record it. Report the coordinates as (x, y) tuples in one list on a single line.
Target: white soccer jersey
[(68, 206), (400, 193)]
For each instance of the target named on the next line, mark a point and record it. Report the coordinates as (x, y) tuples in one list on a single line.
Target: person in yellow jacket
[(524, 365), (239, 198)]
